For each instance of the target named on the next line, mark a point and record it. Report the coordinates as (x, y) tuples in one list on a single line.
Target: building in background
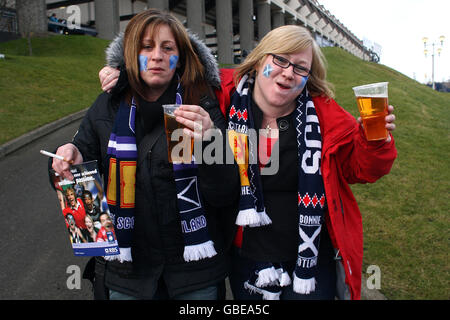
[(231, 28)]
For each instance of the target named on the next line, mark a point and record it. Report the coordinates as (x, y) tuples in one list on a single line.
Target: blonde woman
[(90, 233), (301, 224)]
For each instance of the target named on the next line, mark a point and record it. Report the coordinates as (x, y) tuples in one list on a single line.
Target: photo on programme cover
[(85, 211)]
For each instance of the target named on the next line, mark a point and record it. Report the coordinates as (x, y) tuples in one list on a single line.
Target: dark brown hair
[(191, 69)]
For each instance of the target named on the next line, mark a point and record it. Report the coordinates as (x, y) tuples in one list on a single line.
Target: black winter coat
[(158, 244)]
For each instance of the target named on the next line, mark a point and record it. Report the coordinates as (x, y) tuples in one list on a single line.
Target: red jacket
[(347, 157), (79, 214)]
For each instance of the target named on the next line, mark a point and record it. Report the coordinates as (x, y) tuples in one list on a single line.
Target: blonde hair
[(286, 40), (191, 69)]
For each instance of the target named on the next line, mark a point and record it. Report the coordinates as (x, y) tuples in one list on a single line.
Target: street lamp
[(440, 45)]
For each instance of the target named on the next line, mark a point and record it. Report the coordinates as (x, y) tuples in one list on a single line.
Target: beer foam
[(373, 90), (373, 95)]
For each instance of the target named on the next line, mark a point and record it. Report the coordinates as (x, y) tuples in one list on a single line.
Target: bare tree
[(32, 19)]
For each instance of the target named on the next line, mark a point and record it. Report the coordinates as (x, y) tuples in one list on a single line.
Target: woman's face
[(278, 87), (158, 58), (88, 223), (71, 198)]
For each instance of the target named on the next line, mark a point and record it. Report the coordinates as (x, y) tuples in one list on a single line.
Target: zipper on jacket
[(337, 257)]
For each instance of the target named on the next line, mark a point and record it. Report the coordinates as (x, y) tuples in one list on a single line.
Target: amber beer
[(184, 145), (372, 103), (373, 111)]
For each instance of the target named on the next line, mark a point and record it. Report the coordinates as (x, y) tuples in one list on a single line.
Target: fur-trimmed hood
[(114, 57)]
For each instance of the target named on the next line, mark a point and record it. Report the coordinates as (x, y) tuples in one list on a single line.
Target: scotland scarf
[(120, 186), (269, 277), (122, 156), (193, 221)]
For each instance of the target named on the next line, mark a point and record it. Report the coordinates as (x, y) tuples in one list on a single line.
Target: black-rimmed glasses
[(285, 63)]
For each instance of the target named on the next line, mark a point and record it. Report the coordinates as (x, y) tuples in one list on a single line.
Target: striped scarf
[(122, 155), (268, 277)]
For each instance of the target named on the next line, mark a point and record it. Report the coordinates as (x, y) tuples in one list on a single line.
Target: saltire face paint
[(267, 70), (302, 84), (173, 61), (143, 63)]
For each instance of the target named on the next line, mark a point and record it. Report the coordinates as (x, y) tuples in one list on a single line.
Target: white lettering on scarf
[(194, 224), (125, 223), (237, 127), (312, 126), (310, 220), (307, 262)]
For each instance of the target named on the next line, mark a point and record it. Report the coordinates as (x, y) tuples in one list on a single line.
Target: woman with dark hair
[(167, 217)]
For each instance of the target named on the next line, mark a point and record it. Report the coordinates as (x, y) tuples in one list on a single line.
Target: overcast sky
[(399, 26)]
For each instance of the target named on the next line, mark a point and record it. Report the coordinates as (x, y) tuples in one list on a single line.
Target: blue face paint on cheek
[(267, 70), (143, 63), (302, 84), (173, 61)]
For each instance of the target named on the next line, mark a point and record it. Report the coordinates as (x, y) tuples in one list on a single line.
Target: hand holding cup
[(390, 119), (376, 113)]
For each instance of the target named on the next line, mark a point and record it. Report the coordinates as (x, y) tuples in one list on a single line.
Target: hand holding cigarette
[(52, 155), (65, 156)]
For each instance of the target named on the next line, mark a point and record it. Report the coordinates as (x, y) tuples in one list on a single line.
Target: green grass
[(405, 214), (60, 78)]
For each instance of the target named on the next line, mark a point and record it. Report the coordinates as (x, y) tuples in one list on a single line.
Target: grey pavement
[(35, 249), (34, 246)]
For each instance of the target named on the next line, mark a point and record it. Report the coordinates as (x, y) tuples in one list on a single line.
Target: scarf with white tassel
[(268, 277)]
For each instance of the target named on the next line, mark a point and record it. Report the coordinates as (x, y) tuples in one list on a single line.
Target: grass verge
[(60, 78)]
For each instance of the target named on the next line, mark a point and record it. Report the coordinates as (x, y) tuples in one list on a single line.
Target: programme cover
[(86, 214)]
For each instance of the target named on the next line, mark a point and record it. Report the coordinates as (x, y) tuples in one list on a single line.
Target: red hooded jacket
[(347, 157)]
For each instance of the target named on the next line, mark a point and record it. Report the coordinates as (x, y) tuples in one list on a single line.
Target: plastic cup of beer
[(179, 144), (372, 100)]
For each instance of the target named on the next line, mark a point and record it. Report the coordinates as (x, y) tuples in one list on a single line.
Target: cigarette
[(52, 155)]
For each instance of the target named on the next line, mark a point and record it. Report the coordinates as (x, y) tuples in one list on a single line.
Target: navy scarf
[(122, 156), (268, 277)]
